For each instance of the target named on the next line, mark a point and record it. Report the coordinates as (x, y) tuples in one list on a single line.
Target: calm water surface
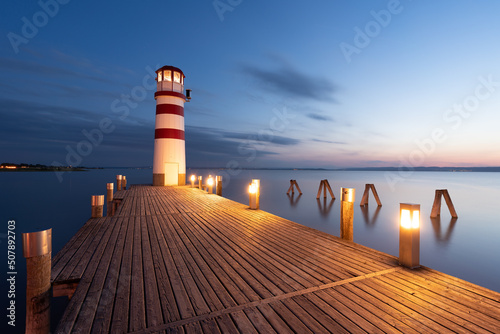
[(468, 248)]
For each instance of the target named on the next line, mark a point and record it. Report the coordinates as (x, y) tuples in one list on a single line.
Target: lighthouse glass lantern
[(169, 162)]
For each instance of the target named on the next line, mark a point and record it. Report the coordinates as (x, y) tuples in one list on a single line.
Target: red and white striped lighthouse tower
[(169, 162)]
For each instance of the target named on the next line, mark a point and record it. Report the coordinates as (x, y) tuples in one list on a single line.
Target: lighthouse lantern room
[(169, 162)]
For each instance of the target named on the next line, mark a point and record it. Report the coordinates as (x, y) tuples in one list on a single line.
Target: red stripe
[(170, 93), (169, 133), (171, 109)]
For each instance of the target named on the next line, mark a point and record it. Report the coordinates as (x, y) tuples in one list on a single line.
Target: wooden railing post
[(37, 249)]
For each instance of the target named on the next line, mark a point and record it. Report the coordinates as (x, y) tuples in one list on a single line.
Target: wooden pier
[(176, 259)]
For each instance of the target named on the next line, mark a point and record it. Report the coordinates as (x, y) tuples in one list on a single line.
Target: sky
[(288, 84)]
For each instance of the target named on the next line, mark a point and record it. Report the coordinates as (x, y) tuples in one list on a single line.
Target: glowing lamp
[(254, 192), (192, 179), (409, 235), (210, 184)]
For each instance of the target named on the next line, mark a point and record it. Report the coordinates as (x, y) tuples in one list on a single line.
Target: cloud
[(329, 141), (319, 117), (288, 81)]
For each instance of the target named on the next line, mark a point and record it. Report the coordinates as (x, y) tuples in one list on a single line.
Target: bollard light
[(254, 194), (119, 182), (347, 194), (210, 184), (97, 203), (200, 185), (192, 179), (409, 235)]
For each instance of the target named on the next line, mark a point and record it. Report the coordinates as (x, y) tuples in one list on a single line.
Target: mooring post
[(293, 183), (37, 249), (436, 206), (347, 197), (124, 182), (409, 235), (366, 195), (324, 185), (97, 203), (218, 185), (119, 182), (109, 197)]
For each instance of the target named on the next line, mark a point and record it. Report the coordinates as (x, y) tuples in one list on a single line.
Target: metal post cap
[(37, 243)]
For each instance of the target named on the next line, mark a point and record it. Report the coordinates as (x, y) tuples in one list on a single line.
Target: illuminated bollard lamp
[(192, 179), (210, 184), (200, 185), (409, 235), (254, 193), (218, 185)]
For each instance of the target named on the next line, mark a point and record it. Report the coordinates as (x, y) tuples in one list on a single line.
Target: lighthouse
[(169, 162)]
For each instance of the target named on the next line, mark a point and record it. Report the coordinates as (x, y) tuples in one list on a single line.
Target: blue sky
[(275, 83)]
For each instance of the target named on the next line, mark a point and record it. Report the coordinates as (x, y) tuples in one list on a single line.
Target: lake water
[(468, 248)]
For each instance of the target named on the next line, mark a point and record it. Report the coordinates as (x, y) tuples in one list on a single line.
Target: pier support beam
[(347, 197), (37, 249)]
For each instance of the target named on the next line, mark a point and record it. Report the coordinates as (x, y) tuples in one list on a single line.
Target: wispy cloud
[(329, 141), (319, 117), (288, 81)]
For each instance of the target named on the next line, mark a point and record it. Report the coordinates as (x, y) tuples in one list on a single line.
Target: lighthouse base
[(159, 180)]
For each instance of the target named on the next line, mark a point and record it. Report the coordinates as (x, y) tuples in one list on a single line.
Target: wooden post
[(97, 203), (192, 178), (200, 182), (436, 206), (109, 206), (37, 249), (218, 185), (119, 182), (347, 197), (124, 182), (366, 194), (291, 188), (324, 185)]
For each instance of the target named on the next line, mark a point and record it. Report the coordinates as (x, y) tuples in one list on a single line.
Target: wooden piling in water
[(293, 183), (436, 206), (324, 185), (366, 194), (37, 249), (347, 196), (97, 204)]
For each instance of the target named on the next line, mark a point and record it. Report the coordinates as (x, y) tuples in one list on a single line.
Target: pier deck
[(176, 259)]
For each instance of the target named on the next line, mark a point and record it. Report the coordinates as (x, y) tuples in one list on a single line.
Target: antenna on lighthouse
[(188, 95)]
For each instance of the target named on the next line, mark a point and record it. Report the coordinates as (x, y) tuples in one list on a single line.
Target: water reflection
[(436, 225), (325, 208), (370, 221), (293, 201)]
